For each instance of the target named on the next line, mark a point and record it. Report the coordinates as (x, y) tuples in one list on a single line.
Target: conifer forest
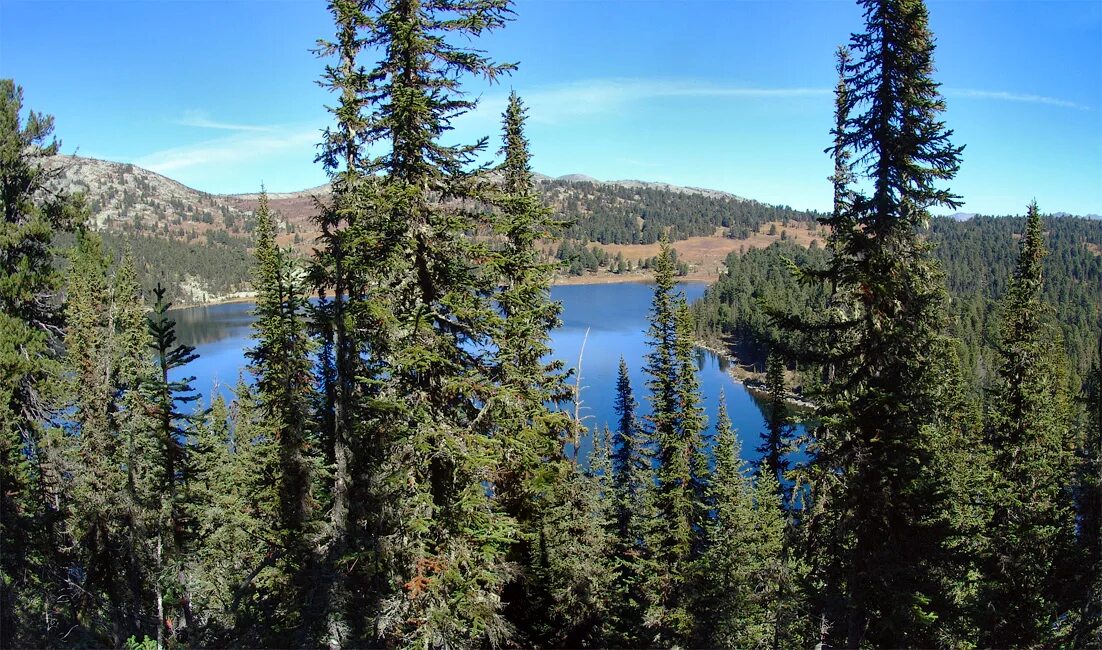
[(402, 465)]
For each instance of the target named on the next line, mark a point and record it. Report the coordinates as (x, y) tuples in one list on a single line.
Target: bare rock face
[(126, 198)]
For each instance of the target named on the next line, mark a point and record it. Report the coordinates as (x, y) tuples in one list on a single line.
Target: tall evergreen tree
[(885, 410), (632, 477), (1033, 525), (531, 432), (96, 524), (167, 399), (133, 420), (419, 301), (573, 550), (337, 283), (742, 569), (30, 336), (281, 363), (1089, 511), (677, 422)]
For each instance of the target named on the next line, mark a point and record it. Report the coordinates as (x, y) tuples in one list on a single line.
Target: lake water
[(613, 314)]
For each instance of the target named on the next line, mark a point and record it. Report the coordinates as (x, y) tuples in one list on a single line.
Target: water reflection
[(609, 318)]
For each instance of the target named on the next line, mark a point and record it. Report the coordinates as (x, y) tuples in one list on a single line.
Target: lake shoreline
[(752, 381), (602, 278)]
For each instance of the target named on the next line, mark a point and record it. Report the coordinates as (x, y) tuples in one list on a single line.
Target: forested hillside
[(205, 236), (978, 256)]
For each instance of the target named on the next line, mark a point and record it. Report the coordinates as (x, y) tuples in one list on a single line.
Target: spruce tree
[(239, 576), (31, 321), (1033, 525), (281, 363), (676, 426), (573, 551), (337, 283), (96, 526), (531, 431), (885, 409), (167, 397), (1088, 631), (742, 571), (133, 419), (417, 319), (632, 476)]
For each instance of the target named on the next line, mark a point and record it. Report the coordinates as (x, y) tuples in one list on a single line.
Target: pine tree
[(1033, 525), (885, 410), (173, 428), (419, 304), (30, 332), (531, 433), (632, 476), (677, 422)]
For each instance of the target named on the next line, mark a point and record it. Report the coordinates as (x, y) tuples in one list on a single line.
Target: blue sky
[(725, 94)]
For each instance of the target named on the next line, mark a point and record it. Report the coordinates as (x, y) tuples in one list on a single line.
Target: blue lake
[(614, 315)]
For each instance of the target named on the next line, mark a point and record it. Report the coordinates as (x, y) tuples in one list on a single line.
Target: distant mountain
[(961, 216), (633, 183), (198, 242)]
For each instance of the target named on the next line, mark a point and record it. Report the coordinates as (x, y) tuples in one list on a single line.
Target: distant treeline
[(617, 214), (978, 257)]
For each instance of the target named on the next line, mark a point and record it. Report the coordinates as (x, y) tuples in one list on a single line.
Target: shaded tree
[(1033, 525)]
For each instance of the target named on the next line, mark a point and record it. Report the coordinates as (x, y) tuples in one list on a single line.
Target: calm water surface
[(613, 314)]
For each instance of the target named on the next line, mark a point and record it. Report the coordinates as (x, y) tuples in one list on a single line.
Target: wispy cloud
[(1024, 98), (230, 150), (202, 119), (553, 104), (595, 97)]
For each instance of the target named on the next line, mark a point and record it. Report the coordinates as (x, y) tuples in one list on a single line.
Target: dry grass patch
[(706, 255)]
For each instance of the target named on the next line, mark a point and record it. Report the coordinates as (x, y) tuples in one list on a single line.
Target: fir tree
[(239, 576), (1033, 524), (531, 433), (1088, 632), (632, 476), (30, 333), (133, 420), (335, 280), (742, 569), (677, 424), (573, 550), (419, 301), (173, 429), (885, 409), (96, 524), (281, 363)]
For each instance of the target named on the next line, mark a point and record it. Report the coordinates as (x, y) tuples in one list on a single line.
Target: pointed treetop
[(517, 166), (1032, 249)]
